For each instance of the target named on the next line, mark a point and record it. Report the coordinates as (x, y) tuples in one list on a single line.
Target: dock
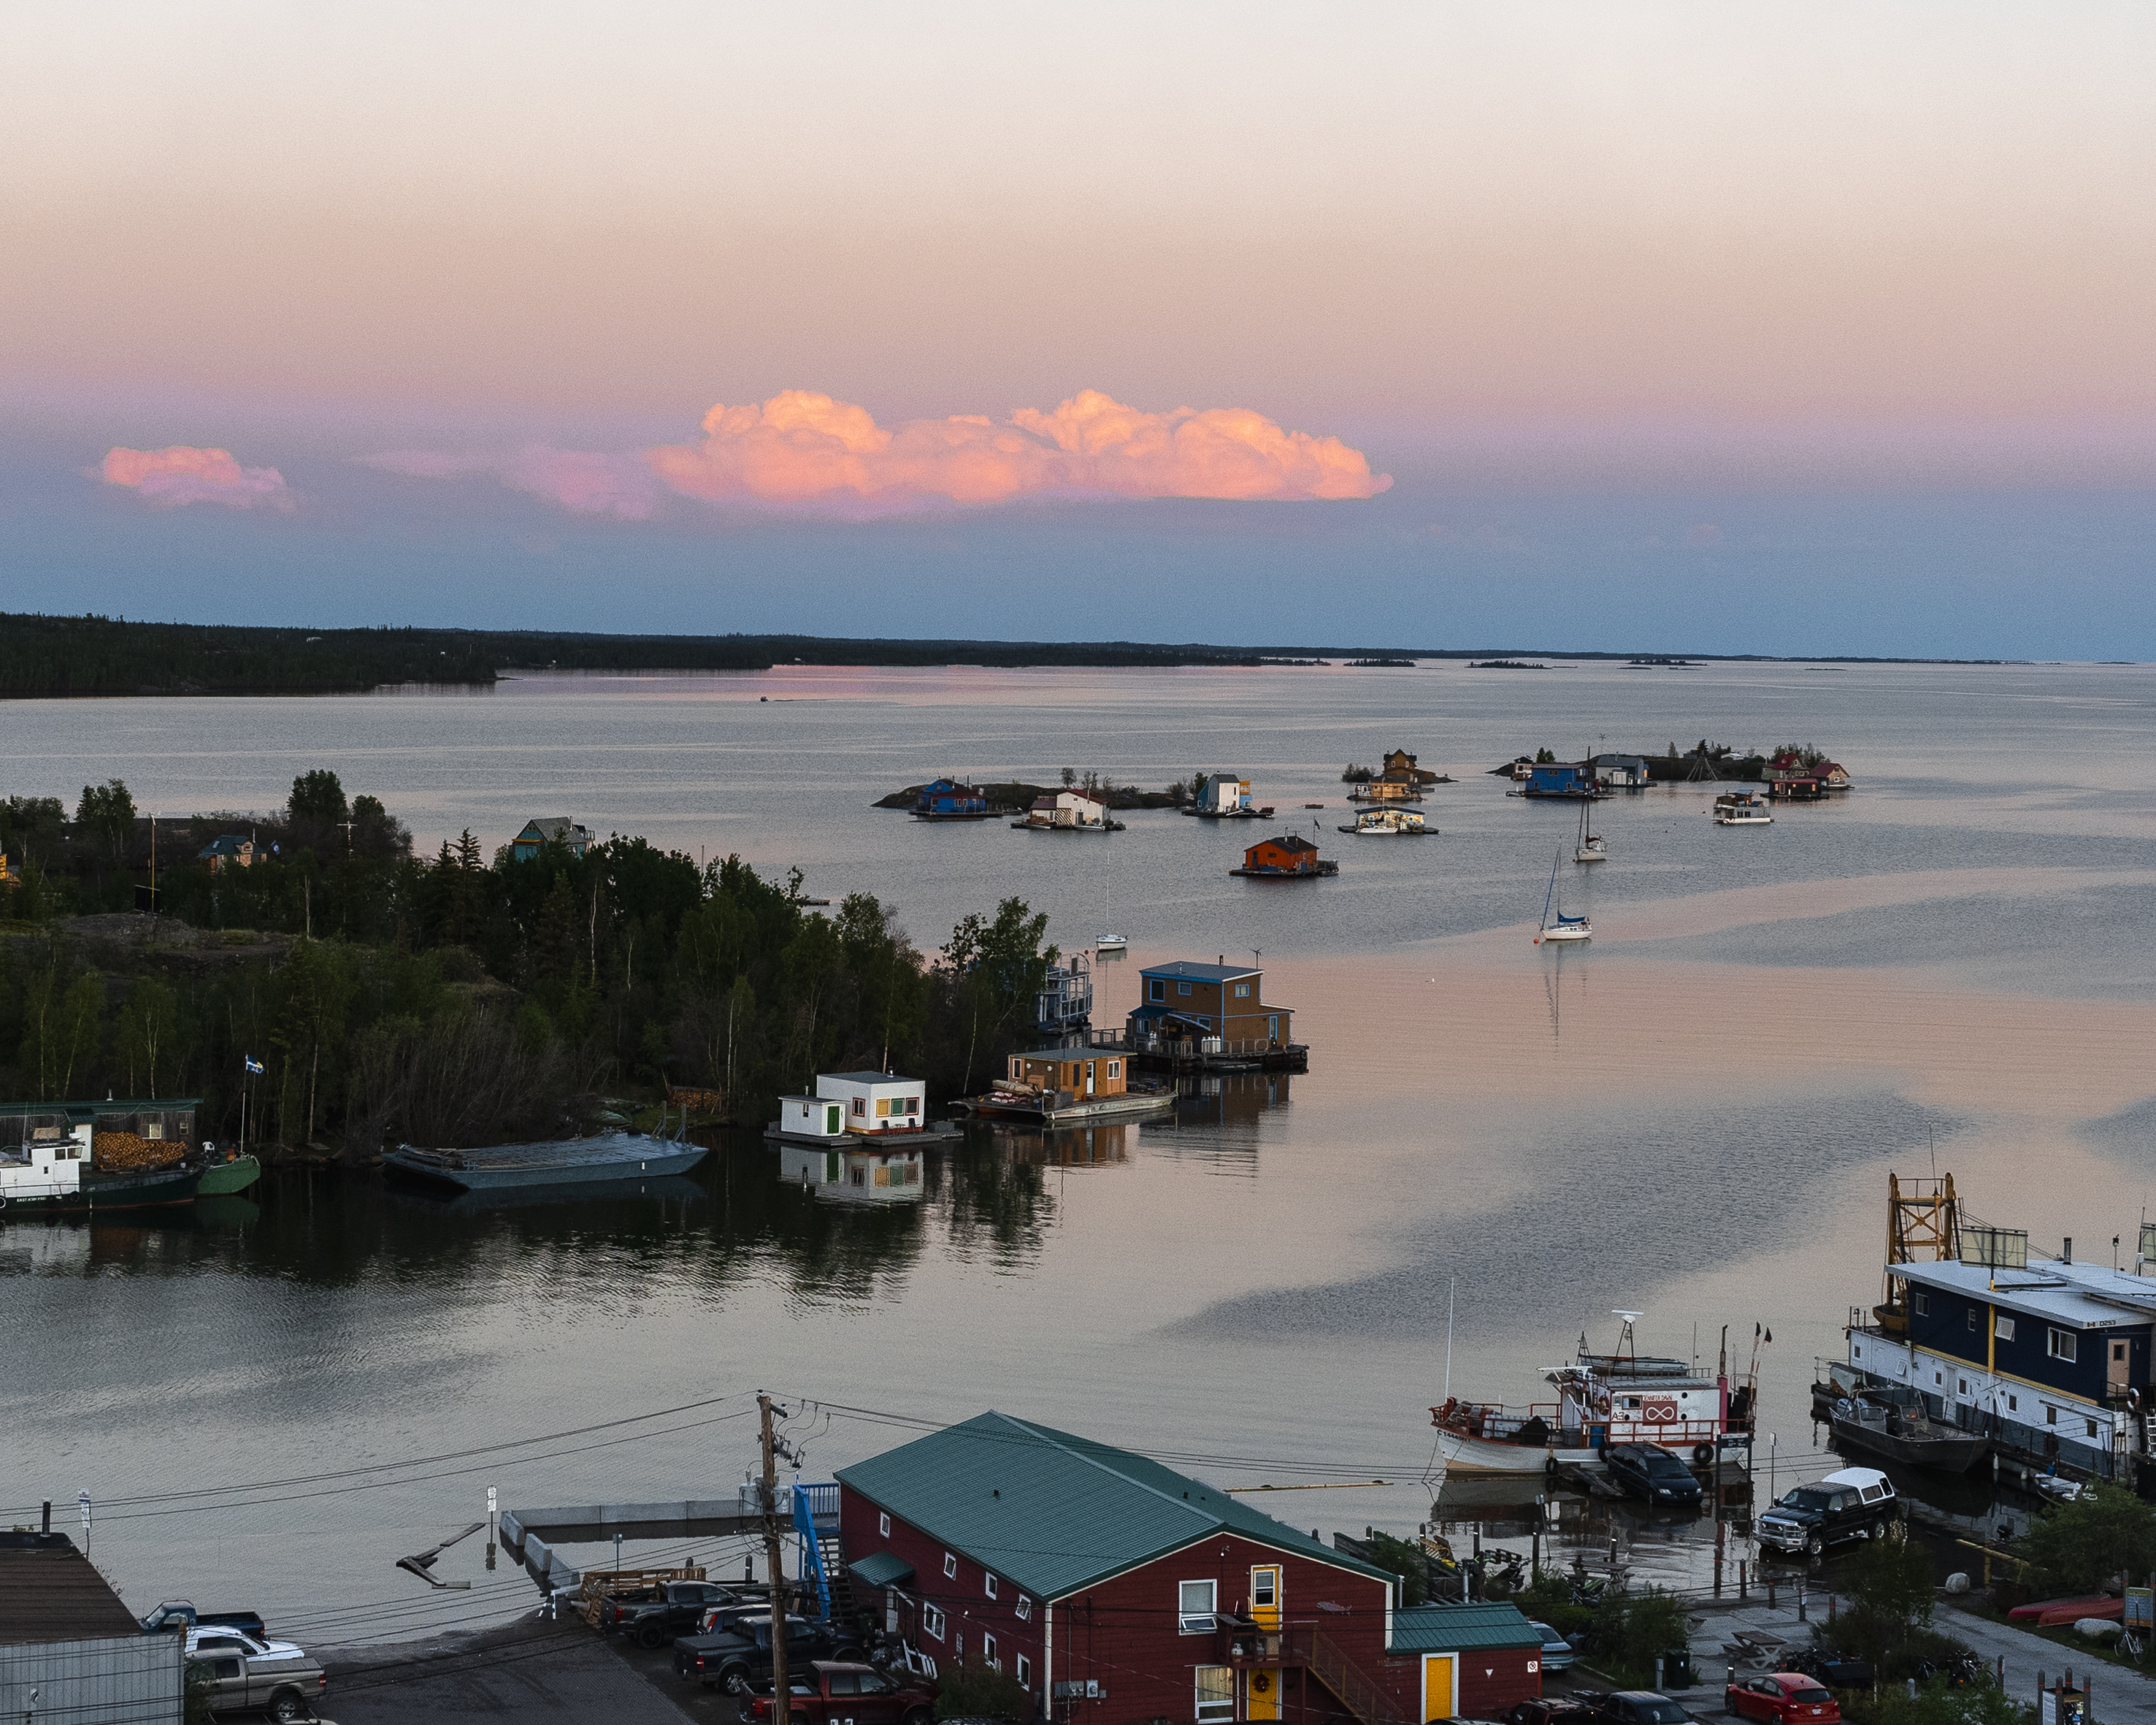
[(531, 1535), (1208, 1053)]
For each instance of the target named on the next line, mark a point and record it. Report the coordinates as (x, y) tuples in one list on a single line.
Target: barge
[(567, 1161)]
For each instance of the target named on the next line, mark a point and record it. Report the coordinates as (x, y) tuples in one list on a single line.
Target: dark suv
[(1652, 1472), (1638, 1706), (737, 1655), (1855, 1503)]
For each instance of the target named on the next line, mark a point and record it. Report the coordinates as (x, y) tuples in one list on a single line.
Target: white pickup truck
[(246, 1673)]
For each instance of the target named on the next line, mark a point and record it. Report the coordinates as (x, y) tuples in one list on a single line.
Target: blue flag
[(254, 1067)]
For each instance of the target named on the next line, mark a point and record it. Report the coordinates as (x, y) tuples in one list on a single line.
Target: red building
[(1119, 1591), (1290, 854)]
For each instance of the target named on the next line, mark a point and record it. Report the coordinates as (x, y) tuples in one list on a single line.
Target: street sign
[(82, 1503)]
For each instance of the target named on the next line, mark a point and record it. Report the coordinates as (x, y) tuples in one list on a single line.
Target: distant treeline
[(42, 655)]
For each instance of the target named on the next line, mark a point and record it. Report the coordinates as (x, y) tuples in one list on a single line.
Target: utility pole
[(780, 1694)]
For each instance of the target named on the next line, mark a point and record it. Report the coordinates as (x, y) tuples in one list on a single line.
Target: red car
[(1783, 1698)]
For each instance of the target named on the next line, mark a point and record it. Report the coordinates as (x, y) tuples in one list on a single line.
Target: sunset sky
[(1800, 328)]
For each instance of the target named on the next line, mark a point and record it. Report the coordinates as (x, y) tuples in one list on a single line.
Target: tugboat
[(82, 1156), (1618, 1398)]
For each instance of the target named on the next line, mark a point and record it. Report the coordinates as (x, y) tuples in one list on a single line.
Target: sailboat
[(1565, 928), (1592, 847), (1103, 944)]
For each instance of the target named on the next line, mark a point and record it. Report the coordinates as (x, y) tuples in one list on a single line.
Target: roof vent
[(2067, 1251)]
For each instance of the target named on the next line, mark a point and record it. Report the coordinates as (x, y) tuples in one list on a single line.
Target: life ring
[(1702, 1453)]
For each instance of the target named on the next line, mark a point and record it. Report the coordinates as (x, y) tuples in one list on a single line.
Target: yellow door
[(1265, 1596), (1264, 1698), (1438, 1684)]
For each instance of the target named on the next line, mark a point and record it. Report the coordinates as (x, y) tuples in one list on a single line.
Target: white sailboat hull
[(1557, 935)]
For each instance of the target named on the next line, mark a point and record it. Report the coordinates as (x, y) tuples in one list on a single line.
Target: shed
[(66, 1633)]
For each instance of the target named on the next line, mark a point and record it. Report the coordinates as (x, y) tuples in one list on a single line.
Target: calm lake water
[(1693, 1117)]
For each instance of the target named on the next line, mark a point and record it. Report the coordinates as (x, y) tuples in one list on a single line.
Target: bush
[(1937, 1704), (977, 1690), (2079, 1547), (1887, 1620), (1632, 1630), (1405, 1561)]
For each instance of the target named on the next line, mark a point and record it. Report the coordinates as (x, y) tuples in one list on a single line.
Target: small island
[(1503, 665)]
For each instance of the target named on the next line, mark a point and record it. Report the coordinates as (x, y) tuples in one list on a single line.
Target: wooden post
[(782, 1709)]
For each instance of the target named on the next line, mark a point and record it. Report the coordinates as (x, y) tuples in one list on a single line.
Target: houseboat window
[(2061, 1345), (1921, 1303), (2003, 1329), (1182, 988), (2013, 1404), (1242, 990), (860, 1105), (883, 1525), (883, 1108), (1194, 1607), (1156, 990), (913, 1104), (950, 1565), (1961, 1386), (2050, 1415), (1025, 1672), (2091, 1428), (1216, 1693), (1115, 1068), (989, 1582), (932, 1621)]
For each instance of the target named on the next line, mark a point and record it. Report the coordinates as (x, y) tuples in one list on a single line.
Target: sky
[(1819, 327)]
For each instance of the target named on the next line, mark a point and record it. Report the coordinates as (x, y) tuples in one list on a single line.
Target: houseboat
[(1386, 790), (1619, 1398), (2049, 1358), (1066, 1086), (94, 1157), (1389, 823), (1290, 856), (1223, 797), (951, 800), (1560, 781), (854, 1108), (1067, 812), (1740, 808), (1194, 1017)]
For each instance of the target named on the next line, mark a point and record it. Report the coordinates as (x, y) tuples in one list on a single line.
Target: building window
[(1216, 1693), (1024, 1609), (1195, 1606), (1156, 990), (860, 1106), (1025, 1672), (913, 1104), (1182, 988), (950, 1566), (883, 1108), (2003, 1329), (883, 1525), (2091, 1428), (1961, 1385), (2061, 1345), (932, 1621), (1920, 1302), (1115, 1068), (989, 1582), (1242, 990), (2013, 1404), (2050, 1415), (989, 1653)]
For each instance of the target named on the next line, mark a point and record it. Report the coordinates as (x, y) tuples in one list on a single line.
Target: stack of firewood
[(111, 1150)]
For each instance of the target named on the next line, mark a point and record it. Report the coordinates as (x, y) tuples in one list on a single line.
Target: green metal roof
[(1055, 1513), (1461, 1629), (884, 1569)]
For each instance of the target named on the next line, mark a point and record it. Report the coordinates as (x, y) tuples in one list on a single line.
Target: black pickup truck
[(737, 1656), (654, 1616)]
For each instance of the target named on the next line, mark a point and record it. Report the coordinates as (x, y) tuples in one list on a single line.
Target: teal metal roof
[(1461, 1629), (884, 1569), (1055, 1513)]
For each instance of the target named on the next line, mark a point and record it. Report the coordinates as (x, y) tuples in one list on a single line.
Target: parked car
[(737, 1656), (828, 1692), (1556, 1651), (1654, 1473), (242, 1675), (1785, 1698), (1637, 1706), (1550, 1710), (658, 1615), (1834, 1673), (1855, 1503)]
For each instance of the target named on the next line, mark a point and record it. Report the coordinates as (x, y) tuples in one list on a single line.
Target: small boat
[(1389, 823), (1110, 943), (1592, 847), (1565, 928), (1896, 1426), (1739, 808), (568, 1162)]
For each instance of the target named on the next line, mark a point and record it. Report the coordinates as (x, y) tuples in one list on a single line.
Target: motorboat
[(1389, 823), (1740, 808)]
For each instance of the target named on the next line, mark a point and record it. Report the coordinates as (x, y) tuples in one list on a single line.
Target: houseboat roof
[(1090, 1051), (1061, 1513), (79, 1113), (1189, 972), (2086, 1296), (1286, 841), (868, 1077)]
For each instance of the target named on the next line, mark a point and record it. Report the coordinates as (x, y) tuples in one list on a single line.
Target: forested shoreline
[(459, 999)]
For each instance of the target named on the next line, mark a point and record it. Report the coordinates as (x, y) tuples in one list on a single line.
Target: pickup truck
[(181, 1614), (737, 1655), (244, 1675), (828, 1692), (658, 1615)]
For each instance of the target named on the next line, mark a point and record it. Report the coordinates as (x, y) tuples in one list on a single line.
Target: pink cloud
[(801, 447), (580, 481), (182, 474)]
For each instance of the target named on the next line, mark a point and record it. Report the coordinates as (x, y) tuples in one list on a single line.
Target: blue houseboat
[(1572, 781), (948, 800)]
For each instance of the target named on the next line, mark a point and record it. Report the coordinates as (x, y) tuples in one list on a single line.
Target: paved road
[(532, 1671), (2118, 1697)]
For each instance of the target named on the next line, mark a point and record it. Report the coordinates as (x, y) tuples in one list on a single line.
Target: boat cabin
[(1223, 794), (1084, 1071), (1067, 808), (1560, 779), (1291, 853), (853, 1102), (950, 797), (1184, 999), (1620, 772)]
